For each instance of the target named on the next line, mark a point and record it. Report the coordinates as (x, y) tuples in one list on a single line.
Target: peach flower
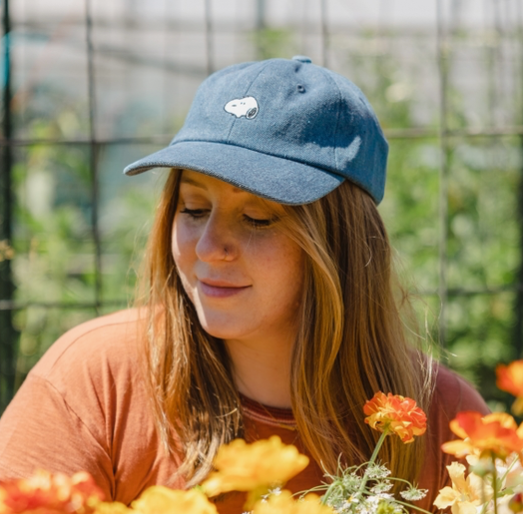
[(49, 493), (510, 379), (495, 434)]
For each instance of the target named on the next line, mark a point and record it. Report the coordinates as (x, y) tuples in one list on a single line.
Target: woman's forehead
[(202, 181), (208, 183)]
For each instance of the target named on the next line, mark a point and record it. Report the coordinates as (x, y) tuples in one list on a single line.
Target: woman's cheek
[(182, 249)]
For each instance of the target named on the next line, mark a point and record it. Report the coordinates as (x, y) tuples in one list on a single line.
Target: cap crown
[(292, 110)]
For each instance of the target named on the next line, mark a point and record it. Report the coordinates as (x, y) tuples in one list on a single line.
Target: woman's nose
[(216, 241)]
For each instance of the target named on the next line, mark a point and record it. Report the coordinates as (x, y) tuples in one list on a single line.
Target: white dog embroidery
[(247, 107)]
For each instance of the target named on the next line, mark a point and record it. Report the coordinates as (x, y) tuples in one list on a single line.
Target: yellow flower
[(112, 508), (247, 467), (162, 500), (465, 495), (284, 503)]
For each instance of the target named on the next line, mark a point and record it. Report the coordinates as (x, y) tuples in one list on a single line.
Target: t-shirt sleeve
[(39, 430), (85, 407)]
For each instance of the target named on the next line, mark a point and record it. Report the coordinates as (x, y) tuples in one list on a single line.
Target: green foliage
[(55, 247), (482, 253), (55, 251), (272, 42)]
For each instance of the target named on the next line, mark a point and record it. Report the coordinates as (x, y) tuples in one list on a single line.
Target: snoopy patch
[(239, 107)]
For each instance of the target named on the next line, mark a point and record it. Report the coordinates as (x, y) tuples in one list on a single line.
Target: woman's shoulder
[(85, 406), (452, 394), (111, 341), (458, 391), (96, 365)]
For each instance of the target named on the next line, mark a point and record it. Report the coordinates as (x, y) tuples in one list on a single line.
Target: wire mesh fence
[(90, 86)]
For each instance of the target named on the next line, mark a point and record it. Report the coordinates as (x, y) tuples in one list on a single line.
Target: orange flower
[(496, 434), (510, 379), (46, 493), (397, 414)]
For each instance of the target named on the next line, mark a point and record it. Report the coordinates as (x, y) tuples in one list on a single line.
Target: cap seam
[(337, 115), (244, 95)]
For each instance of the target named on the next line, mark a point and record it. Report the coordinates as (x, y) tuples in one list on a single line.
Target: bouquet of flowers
[(493, 448), (493, 484)]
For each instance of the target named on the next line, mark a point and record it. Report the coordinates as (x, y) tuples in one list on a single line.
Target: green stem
[(502, 479), (396, 479), (483, 497), (372, 460), (378, 446), (325, 497), (365, 478), (509, 469), (410, 506), (495, 483)]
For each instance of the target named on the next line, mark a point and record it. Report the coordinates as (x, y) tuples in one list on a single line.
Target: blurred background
[(89, 86)]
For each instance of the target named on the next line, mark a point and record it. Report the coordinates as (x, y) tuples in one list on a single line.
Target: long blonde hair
[(351, 342)]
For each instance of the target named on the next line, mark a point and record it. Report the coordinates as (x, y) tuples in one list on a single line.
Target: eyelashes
[(253, 222), (194, 213), (259, 223)]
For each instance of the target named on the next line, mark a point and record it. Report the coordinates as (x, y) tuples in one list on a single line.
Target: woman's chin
[(221, 332), (224, 329)]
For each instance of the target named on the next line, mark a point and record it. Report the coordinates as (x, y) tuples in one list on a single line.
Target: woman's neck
[(262, 371)]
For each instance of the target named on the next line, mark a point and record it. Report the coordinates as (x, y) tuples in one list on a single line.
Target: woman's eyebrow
[(192, 182)]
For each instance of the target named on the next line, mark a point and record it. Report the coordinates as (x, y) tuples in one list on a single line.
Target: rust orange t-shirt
[(84, 407)]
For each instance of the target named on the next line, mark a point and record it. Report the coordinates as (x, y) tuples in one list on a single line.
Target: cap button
[(302, 58)]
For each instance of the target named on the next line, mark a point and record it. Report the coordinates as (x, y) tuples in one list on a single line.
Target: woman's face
[(242, 273)]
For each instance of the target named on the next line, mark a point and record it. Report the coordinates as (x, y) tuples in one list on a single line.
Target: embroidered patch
[(239, 107)]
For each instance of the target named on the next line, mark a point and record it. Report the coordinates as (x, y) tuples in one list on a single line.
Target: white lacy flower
[(376, 471), (382, 487), (414, 494), (351, 481)]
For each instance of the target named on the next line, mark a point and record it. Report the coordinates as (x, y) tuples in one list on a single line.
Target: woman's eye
[(259, 223), (194, 213)]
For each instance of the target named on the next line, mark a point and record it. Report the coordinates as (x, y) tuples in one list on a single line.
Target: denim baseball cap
[(283, 129)]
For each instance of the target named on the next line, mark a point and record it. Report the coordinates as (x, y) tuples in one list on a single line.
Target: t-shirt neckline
[(279, 414)]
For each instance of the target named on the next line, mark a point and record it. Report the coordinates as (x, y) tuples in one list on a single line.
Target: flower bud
[(482, 468), (516, 503)]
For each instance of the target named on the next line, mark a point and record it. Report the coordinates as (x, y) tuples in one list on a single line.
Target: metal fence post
[(7, 331)]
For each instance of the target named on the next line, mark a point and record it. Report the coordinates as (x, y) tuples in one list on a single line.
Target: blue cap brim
[(281, 180)]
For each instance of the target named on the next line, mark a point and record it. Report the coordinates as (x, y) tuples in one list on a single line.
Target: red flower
[(510, 379), (44, 493), (516, 503), (397, 414), (496, 435)]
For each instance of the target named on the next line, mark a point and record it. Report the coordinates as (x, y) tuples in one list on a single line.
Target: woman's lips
[(220, 290)]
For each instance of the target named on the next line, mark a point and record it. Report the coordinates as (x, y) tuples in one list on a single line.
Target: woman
[(269, 306)]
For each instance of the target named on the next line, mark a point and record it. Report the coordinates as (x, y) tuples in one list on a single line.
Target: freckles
[(175, 243), (282, 261), (183, 240)]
